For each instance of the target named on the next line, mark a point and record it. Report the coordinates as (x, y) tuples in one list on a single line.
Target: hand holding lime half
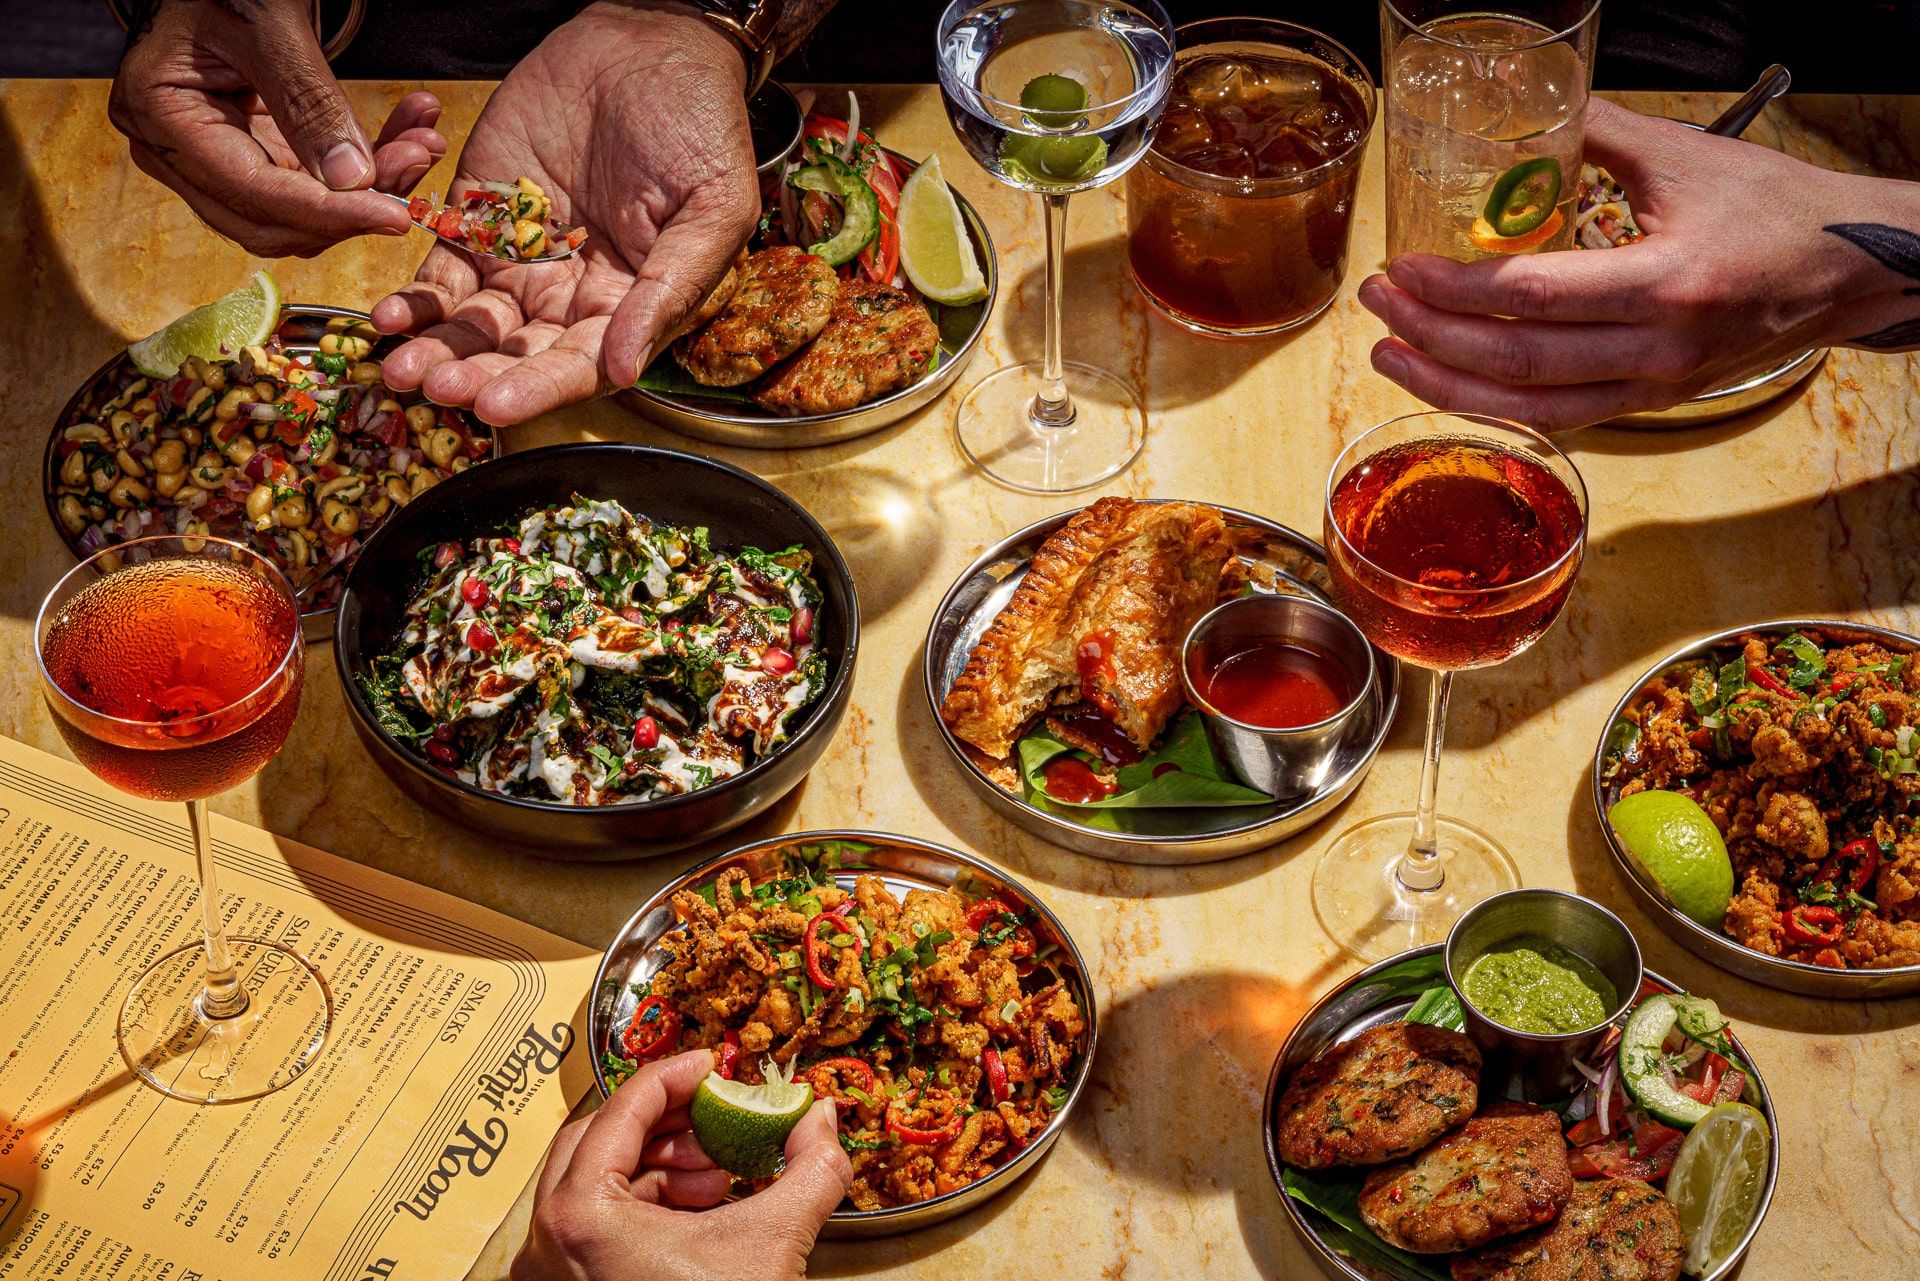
[(1673, 839), (744, 1127), (242, 319)]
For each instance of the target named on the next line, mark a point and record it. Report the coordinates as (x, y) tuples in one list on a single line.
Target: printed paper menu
[(457, 1051)]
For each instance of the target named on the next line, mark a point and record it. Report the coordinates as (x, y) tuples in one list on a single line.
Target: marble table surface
[(1810, 506)]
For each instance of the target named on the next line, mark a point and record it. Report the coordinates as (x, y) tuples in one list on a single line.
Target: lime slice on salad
[(1672, 837), (1716, 1183), (744, 1127), (935, 250), (1054, 102), (241, 319)]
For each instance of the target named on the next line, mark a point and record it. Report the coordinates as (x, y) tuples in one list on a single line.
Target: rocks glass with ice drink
[(1238, 218), (1486, 113)]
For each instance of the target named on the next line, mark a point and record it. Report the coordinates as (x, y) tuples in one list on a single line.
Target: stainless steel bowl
[(1711, 945), (1711, 406), (301, 325), (903, 863), (1279, 559), (727, 423), (1383, 993), (1541, 1061)]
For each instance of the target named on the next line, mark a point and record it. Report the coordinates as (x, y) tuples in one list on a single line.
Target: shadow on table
[(59, 341), (1745, 1002), (1169, 365), (1178, 1091)]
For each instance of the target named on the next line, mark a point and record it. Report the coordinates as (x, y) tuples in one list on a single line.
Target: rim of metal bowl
[(842, 673), (735, 428), (1710, 945), (1385, 666), (316, 624), (1309, 1232), (877, 1222)]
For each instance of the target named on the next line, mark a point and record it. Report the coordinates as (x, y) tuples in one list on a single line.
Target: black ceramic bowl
[(684, 489)]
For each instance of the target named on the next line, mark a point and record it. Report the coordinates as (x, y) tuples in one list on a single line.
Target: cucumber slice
[(860, 208), (1701, 1021), (1640, 1056)]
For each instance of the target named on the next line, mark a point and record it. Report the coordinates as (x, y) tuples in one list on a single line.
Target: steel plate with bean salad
[(294, 447)]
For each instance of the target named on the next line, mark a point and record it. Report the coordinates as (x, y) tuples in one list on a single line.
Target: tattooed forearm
[(797, 21), (1898, 250)]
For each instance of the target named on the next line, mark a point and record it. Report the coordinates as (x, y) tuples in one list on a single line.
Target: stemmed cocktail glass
[(1054, 97), (1453, 542), (172, 666)]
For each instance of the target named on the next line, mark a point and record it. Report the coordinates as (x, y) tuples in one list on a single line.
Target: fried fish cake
[(784, 299), (1387, 1092), (879, 339), (1611, 1230), (1502, 1172)]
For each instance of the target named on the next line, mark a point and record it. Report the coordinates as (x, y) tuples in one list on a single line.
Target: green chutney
[(1535, 985)]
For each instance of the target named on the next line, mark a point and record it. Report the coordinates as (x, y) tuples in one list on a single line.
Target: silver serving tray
[(903, 863), (1711, 406), (1294, 564), (726, 423), (1382, 993), (315, 625), (1711, 945)]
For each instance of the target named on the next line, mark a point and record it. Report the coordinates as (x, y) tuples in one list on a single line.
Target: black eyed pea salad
[(299, 454)]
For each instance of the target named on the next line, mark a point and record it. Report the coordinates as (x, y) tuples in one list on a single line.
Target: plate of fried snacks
[(1053, 667), (1400, 1156), (933, 997), (1761, 795), (293, 446), (859, 298)]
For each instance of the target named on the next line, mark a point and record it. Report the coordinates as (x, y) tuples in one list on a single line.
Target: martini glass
[(1054, 97), (1453, 542), (172, 666)]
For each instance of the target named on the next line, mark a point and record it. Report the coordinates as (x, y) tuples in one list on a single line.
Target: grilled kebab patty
[(784, 299), (879, 339), (1610, 1230), (1389, 1091), (1502, 1172)]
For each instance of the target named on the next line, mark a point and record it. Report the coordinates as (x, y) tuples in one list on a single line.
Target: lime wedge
[(241, 319), (743, 1127), (1054, 102), (935, 250), (1716, 1183), (1678, 845)]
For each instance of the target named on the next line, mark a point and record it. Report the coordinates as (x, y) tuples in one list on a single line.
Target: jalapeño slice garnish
[(1524, 196)]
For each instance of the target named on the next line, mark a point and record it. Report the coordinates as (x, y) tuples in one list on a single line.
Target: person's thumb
[(809, 1189), (691, 255), (313, 114)]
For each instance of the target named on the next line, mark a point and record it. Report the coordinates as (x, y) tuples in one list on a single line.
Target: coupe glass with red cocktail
[(173, 666), (1238, 217), (1453, 542)]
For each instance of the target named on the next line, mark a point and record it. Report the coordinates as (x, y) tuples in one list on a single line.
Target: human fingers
[(559, 1155), (312, 111), (418, 110), (810, 1188), (566, 373), (262, 241), (675, 1152), (1531, 352), (618, 1132), (687, 1189), (1543, 408), (473, 362), (684, 263), (1612, 284)]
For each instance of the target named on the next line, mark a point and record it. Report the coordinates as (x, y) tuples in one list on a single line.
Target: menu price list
[(453, 1057)]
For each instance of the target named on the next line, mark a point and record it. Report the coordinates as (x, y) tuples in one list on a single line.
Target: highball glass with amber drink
[(172, 666), (1238, 218), (1453, 542)]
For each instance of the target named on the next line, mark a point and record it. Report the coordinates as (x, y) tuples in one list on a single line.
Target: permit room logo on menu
[(505, 1090)]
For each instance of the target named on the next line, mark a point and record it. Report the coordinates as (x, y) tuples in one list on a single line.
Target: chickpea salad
[(595, 657), (510, 220), (299, 454)]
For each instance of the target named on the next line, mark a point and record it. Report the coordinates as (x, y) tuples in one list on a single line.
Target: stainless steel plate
[(1383, 993), (1711, 406), (728, 423), (1280, 559), (1711, 945), (301, 326), (903, 863)]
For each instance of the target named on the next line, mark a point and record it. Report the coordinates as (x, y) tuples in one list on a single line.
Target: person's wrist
[(681, 24), (1866, 296)]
